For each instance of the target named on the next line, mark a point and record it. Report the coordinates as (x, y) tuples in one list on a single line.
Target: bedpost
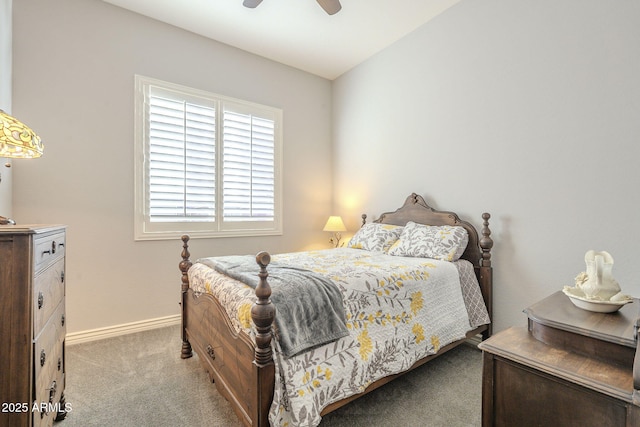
[(263, 313), (184, 266), (486, 271), (364, 220)]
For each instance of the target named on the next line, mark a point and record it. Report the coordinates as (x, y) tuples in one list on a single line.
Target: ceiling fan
[(329, 6)]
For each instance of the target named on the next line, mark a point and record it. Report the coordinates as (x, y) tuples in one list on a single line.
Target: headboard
[(416, 209)]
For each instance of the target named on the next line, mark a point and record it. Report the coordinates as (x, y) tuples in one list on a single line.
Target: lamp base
[(335, 240)]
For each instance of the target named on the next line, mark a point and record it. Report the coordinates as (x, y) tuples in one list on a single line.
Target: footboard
[(242, 372)]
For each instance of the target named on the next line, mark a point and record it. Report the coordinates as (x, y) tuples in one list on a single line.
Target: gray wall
[(527, 110), (74, 78)]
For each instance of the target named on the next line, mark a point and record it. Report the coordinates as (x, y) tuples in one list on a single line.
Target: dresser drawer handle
[(43, 357), (59, 363), (52, 390), (211, 353), (40, 300), (62, 277), (54, 246), (62, 320), (52, 250)]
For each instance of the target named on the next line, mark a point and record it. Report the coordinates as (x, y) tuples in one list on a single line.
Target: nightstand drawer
[(48, 249), (48, 291)]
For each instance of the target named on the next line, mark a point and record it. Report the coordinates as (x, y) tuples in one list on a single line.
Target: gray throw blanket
[(309, 309)]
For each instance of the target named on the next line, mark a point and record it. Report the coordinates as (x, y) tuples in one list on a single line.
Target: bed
[(399, 310)]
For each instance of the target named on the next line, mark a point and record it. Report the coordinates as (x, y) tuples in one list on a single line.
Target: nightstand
[(569, 367)]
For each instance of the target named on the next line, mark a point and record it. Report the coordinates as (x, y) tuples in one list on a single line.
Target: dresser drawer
[(49, 375), (49, 370), (48, 355), (48, 249), (48, 291), (47, 410)]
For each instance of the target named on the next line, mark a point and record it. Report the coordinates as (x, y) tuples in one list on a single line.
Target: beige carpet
[(140, 380)]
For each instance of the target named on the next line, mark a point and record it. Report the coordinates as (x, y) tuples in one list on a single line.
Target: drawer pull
[(211, 353), (62, 320), (53, 249), (62, 277), (40, 300), (59, 363), (52, 391), (43, 357)]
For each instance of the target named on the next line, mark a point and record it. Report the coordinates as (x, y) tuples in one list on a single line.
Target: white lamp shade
[(334, 223)]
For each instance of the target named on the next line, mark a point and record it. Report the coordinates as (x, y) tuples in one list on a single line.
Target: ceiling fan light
[(251, 3), (330, 6)]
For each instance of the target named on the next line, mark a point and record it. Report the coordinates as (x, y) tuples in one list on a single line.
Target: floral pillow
[(375, 237), (444, 242)]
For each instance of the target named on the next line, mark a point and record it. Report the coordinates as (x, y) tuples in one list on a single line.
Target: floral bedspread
[(398, 310)]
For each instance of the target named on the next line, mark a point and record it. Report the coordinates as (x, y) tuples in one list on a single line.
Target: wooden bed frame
[(243, 370)]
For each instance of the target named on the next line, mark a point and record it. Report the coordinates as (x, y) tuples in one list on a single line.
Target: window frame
[(144, 228)]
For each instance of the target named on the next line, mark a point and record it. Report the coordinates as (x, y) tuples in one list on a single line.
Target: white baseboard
[(117, 330)]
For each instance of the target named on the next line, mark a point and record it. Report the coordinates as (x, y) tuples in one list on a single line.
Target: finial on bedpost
[(263, 313), (486, 243), (184, 266), (364, 220)]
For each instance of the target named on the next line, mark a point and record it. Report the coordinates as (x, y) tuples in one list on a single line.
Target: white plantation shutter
[(182, 169), (248, 167), (206, 165)]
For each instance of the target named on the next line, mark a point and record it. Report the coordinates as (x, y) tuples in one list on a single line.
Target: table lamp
[(335, 225)]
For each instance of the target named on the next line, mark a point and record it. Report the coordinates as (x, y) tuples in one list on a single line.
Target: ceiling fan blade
[(330, 6), (251, 3)]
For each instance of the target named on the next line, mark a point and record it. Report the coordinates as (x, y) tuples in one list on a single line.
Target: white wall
[(74, 78), (5, 100), (527, 110)]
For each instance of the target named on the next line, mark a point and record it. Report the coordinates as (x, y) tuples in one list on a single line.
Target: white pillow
[(443, 242), (375, 237)]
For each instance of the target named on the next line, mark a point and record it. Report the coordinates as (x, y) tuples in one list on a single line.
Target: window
[(206, 165)]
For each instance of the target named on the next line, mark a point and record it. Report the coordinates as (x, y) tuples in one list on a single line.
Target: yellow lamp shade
[(334, 223), (17, 140)]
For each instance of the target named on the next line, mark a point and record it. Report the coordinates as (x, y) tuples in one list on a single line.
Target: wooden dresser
[(570, 367), (32, 324)]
